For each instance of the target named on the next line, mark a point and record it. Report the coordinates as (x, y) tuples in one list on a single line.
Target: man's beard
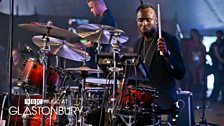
[(149, 32)]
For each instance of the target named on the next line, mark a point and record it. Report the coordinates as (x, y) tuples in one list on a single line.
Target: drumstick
[(159, 26)]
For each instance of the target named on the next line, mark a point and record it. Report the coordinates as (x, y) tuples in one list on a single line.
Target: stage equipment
[(128, 61), (186, 109), (46, 30), (84, 71), (63, 49)]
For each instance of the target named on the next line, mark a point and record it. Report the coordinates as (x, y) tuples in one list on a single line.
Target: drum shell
[(32, 74)]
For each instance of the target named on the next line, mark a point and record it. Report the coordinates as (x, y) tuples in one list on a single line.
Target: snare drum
[(32, 75)]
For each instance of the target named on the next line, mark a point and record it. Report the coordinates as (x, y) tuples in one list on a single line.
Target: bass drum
[(32, 76)]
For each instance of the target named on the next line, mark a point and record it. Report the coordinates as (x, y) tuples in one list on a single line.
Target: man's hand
[(88, 44), (161, 46)]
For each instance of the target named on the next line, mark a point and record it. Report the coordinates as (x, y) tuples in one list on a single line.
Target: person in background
[(219, 54), (105, 17), (184, 83), (196, 63), (16, 66), (215, 70), (99, 9), (163, 69)]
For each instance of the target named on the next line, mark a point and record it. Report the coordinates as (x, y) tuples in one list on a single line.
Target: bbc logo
[(33, 101)]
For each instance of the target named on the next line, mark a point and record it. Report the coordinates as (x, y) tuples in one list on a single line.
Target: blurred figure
[(184, 45), (218, 48), (99, 9), (216, 69), (16, 66), (197, 52)]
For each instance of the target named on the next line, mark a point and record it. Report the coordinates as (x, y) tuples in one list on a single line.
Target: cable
[(180, 100), (3, 104)]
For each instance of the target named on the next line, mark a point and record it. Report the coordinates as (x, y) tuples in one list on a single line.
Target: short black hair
[(144, 6), (219, 31), (101, 1), (195, 30)]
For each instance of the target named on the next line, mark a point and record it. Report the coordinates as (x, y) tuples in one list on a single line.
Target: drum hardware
[(55, 102), (84, 71), (116, 54), (101, 34), (25, 116), (129, 117), (43, 59)]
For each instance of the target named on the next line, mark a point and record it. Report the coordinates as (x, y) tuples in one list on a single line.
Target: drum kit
[(38, 77)]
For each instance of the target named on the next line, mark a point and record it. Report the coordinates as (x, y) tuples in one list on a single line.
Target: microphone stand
[(10, 45)]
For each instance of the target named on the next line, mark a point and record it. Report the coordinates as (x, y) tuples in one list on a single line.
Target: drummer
[(99, 9)]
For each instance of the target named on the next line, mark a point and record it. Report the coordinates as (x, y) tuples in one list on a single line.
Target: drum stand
[(130, 117), (81, 113), (26, 116), (114, 69), (43, 59)]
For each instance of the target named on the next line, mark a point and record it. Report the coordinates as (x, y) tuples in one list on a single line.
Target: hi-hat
[(62, 48), (48, 29), (101, 33), (84, 69)]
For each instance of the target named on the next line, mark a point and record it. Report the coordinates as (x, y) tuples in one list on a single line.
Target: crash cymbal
[(100, 33), (62, 48), (42, 28), (85, 69)]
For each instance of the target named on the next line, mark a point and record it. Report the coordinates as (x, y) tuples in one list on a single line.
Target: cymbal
[(100, 33), (85, 69), (42, 28), (62, 48)]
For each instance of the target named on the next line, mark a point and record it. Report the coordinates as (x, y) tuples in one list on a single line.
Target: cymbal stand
[(116, 53), (83, 75), (43, 58), (99, 50)]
